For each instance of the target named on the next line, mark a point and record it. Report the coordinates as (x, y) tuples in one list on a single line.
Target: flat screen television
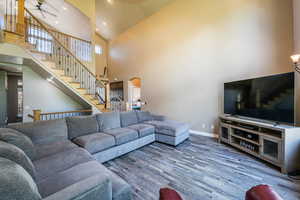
[(268, 98)]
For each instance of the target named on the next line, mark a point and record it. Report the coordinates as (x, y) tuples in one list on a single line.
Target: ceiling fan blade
[(45, 11)]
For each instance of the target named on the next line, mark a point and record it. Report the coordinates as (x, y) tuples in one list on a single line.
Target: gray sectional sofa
[(60, 159)]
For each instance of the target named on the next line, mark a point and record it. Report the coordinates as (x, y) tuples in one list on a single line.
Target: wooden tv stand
[(276, 144)]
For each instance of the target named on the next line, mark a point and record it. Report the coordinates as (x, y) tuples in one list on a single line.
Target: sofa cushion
[(18, 139), (16, 183), (53, 148), (169, 127), (17, 155), (109, 120), (95, 142), (123, 135), (143, 129), (50, 165), (44, 132), (143, 116), (91, 188), (128, 118), (81, 125), (69, 177)]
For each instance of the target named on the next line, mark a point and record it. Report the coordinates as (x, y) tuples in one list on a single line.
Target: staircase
[(52, 53)]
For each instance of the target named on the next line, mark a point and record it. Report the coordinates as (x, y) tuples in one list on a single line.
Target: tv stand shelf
[(276, 144)]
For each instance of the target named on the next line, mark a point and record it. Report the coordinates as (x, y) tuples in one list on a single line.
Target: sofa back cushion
[(109, 120), (128, 118), (16, 183), (17, 155), (144, 116), (44, 132), (18, 139), (82, 125)]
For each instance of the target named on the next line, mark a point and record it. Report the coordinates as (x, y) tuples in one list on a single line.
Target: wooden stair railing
[(39, 116), (46, 42), (13, 18)]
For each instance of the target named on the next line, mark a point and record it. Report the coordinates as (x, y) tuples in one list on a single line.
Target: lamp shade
[(295, 58)]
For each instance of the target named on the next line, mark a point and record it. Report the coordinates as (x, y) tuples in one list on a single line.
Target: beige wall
[(38, 93), (185, 52), (101, 60), (297, 26)]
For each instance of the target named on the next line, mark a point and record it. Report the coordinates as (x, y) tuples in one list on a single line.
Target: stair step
[(49, 64), (58, 72), (100, 107), (74, 84), (81, 90), (67, 79)]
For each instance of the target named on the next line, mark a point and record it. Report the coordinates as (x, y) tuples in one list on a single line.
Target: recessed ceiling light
[(56, 22), (104, 23), (110, 1), (64, 8), (97, 29)]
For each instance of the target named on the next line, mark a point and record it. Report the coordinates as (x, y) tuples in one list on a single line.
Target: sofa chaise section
[(166, 131), (170, 132)]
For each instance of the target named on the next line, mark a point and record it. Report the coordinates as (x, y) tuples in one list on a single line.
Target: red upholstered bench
[(262, 192), (168, 194)]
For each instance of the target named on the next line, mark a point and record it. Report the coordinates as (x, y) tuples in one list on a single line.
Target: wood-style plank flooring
[(199, 169)]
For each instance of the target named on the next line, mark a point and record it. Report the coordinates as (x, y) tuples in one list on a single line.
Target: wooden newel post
[(37, 115), (21, 17)]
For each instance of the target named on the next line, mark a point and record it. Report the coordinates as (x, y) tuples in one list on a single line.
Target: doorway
[(14, 98), (134, 93), (11, 97)]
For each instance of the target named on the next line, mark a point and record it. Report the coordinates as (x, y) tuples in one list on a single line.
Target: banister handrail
[(38, 115), (66, 112), (57, 40)]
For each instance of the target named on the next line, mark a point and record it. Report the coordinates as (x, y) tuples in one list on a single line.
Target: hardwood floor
[(200, 169)]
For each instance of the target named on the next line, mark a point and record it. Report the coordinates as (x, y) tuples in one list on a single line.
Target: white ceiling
[(115, 16), (69, 19)]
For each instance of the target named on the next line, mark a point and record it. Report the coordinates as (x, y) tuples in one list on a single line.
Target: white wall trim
[(204, 134)]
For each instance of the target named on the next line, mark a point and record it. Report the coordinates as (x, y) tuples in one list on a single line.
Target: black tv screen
[(268, 98)]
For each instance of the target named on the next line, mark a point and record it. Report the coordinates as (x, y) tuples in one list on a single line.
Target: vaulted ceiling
[(115, 16), (68, 18)]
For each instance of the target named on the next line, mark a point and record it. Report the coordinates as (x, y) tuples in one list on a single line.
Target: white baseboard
[(204, 134)]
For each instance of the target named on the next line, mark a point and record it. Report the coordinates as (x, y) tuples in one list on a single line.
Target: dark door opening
[(14, 97)]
